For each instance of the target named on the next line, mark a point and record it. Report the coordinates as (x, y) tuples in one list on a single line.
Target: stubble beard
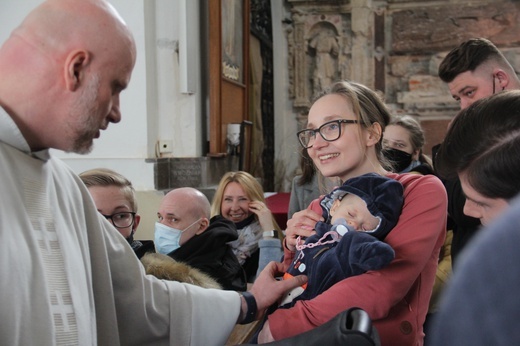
[(84, 115)]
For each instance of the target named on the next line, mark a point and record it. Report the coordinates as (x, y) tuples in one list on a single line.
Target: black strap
[(251, 308)]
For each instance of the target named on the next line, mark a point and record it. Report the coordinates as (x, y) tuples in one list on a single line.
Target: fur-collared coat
[(166, 268), (210, 253)]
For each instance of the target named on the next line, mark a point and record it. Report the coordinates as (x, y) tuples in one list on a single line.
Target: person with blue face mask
[(185, 232), (168, 238)]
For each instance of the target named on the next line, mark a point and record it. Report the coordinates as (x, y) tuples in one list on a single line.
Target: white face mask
[(167, 239)]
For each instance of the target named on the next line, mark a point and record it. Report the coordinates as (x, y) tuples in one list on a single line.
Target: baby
[(358, 216)]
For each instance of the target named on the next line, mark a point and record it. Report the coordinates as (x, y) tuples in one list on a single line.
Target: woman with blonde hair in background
[(240, 198)]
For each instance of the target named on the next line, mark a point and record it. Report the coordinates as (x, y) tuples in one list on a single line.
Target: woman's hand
[(301, 224), (265, 217)]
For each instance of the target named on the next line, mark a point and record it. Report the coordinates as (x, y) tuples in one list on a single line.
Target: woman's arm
[(416, 238)]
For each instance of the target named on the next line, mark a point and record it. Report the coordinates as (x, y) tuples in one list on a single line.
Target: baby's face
[(353, 209)]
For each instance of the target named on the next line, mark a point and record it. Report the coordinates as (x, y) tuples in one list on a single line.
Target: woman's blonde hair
[(249, 184)]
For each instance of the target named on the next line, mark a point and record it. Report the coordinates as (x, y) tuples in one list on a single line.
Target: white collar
[(11, 135)]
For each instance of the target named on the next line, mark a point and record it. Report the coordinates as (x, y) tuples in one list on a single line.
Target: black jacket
[(464, 227), (141, 247), (210, 253)]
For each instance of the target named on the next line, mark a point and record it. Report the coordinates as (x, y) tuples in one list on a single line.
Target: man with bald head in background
[(186, 232), (68, 276)]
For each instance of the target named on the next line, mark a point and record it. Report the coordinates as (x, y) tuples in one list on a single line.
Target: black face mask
[(130, 238), (398, 159)]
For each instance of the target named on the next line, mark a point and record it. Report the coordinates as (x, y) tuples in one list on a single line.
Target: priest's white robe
[(68, 277)]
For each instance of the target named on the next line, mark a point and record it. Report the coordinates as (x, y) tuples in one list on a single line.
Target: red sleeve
[(416, 239)]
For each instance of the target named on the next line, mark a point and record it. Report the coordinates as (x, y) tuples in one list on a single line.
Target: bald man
[(185, 232), (68, 277)]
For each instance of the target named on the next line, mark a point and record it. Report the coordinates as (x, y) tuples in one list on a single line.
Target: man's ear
[(503, 79), (204, 223), (137, 219), (75, 65)]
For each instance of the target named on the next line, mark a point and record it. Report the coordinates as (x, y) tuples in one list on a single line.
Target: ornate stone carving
[(323, 51), (319, 50)]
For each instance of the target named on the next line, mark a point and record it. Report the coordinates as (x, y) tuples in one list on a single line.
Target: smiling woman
[(350, 119), (240, 198)]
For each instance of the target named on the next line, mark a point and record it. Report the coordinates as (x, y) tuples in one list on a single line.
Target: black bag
[(352, 327)]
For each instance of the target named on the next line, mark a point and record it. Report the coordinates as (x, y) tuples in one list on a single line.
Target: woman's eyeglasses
[(330, 131)]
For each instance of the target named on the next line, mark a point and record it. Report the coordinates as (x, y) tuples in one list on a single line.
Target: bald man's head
[(185, 208), (60, 25), (71, 59), (192, 201)]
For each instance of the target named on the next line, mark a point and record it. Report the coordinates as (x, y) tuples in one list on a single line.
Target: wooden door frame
[(220, 87)]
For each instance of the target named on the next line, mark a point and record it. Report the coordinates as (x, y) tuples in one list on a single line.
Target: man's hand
[(267, 290), (301, 224)]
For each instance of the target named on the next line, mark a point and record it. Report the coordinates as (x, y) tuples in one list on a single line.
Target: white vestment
[(68, 277)]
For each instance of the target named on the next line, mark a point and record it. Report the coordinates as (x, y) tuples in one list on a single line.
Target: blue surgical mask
[(167, 239)]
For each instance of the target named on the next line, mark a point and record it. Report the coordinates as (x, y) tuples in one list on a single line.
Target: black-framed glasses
[(121, 220), (330, 131)]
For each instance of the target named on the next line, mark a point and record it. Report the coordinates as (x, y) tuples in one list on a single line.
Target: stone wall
[(395, 47)]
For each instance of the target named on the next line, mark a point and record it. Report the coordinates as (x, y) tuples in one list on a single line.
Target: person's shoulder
[(63, 171), (166, 268), (221, 225), (142, 247), (66, 177), (219, 219), (408, 179), (417, 183), (296, 178), (423, 169), (60, 167)]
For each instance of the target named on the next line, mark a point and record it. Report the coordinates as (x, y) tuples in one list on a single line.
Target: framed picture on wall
[(232, 39)]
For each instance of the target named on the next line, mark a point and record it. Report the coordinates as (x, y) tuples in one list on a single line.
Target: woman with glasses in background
[(344, 139), (114, 197)]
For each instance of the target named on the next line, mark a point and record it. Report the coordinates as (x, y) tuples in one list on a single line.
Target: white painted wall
[(153, 107)]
